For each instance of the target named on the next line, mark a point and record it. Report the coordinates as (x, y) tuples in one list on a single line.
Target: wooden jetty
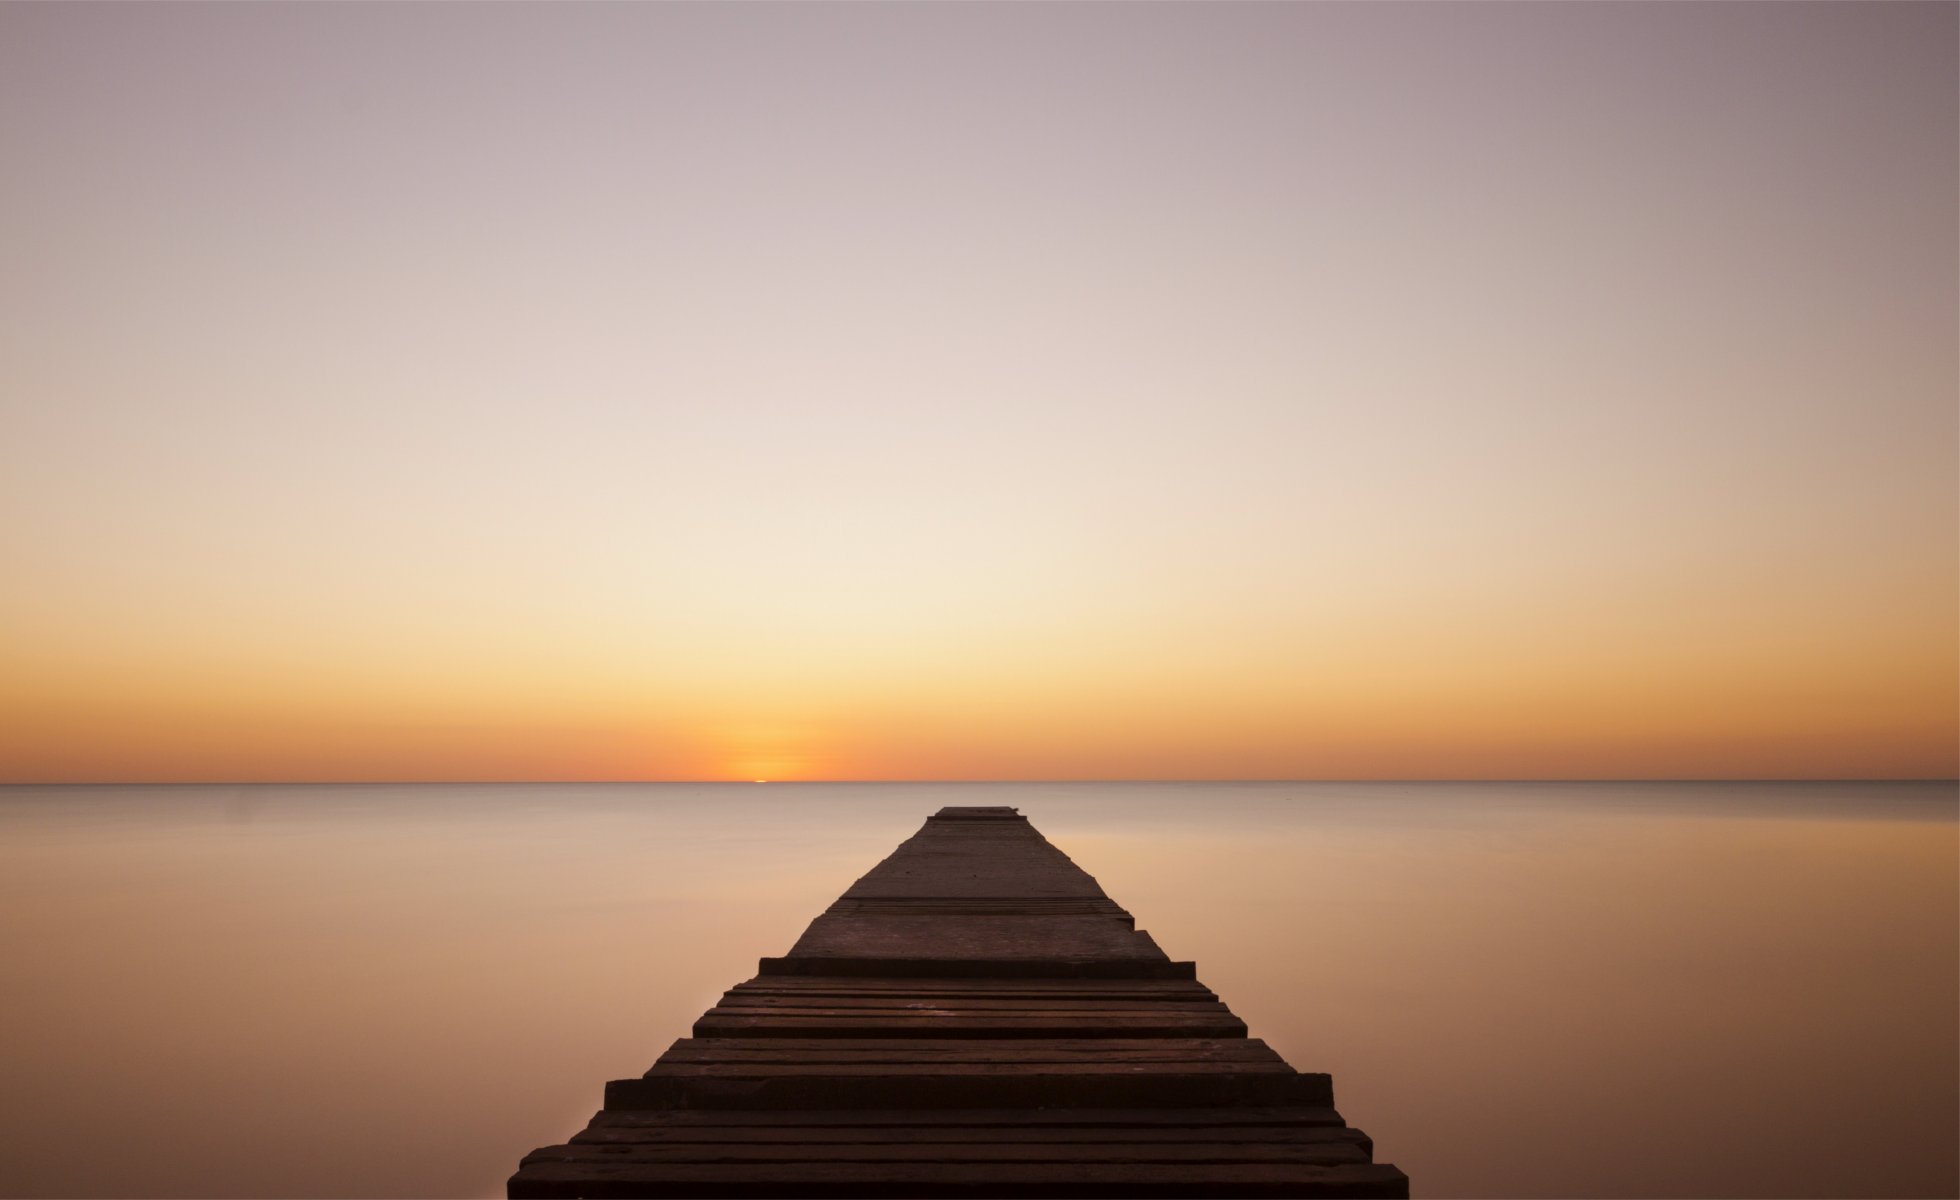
[(972, 1018)]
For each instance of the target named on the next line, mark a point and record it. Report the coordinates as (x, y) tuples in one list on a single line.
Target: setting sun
[(1347, 450)]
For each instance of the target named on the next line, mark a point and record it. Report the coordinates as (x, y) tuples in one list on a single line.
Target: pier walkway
[(972, 1018)]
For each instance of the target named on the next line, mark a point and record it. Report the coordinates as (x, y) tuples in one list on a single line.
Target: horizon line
[(940, 782)]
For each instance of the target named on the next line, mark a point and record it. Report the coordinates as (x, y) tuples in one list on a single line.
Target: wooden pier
[(972, 1018)]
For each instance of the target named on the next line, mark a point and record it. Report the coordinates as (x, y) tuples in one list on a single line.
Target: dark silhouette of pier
[(972, 1018)]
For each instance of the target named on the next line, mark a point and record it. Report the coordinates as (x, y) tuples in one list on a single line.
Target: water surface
[(1521, 989)]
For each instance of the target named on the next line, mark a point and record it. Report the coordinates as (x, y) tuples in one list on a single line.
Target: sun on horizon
[(979, 392)]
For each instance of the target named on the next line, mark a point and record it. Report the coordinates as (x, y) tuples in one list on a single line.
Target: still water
[(1520, 989)]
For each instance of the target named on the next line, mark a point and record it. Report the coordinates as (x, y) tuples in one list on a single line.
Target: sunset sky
[(978, 391)]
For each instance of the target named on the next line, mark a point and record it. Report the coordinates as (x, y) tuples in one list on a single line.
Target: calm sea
[(1521, 989)]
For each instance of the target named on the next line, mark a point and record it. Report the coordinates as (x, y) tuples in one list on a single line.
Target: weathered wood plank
[(1028, 906), (1031, 1086), (1326, 1153), (869, 999), (980, 968), (1148, 1181), (926, 1050), (856, 1007), (897, 1068), (1212, 1135), (1002, 1012), (1002, 1118), (928, 991), (951, 937), (981, 1027), (1094, 1025), (1162, 1014), (954, 995), (872, 985)]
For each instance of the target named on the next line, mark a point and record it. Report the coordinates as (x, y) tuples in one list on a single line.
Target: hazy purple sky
[(992, 389)]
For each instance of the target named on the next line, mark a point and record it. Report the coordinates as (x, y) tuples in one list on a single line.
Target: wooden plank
[(1028, 906), (1023, 1086), (976, 986), (813, 1066), (1164, 1015), (916, 1024), (1222, 1135), (1002, 1005), (974, 968), (1171, 991), (955, 995), (950, 1008), (979, 1027), (927, 1050), (945, 938), (1091, 1025), (862, 998), (1008, 1119), (1328, 1153), (1145, 1181), (847, 1006)]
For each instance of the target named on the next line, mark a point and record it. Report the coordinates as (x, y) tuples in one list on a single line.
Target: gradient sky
[(978, 391)]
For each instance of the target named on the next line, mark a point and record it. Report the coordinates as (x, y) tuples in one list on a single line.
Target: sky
[(979, 391)]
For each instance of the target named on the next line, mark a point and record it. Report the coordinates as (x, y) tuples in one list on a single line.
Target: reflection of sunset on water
[(1493, 973)]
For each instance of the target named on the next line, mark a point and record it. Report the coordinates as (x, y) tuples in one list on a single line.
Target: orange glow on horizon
[(896, 424)]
